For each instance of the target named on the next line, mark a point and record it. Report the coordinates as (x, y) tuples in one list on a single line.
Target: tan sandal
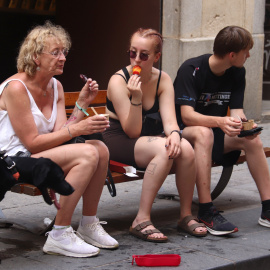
[(183, 226), (137, 232)]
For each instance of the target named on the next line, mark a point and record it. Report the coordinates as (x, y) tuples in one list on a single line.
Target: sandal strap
[(196, 225), (187, 219), (151, 231), (143, 225)]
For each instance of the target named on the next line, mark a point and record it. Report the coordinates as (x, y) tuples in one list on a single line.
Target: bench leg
[(162, 194), (49, 224), (39, 229), (223, 181)]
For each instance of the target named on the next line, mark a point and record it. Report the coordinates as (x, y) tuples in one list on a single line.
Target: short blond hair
[(34, 43)]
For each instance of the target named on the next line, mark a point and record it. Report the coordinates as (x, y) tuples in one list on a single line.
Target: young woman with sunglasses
[(131, 97)]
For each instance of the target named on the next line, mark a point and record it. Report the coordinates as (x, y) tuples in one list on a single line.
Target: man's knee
[(255, 143), (204, 137)]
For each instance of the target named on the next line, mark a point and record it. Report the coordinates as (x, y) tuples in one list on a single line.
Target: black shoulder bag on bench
[(97, 136)]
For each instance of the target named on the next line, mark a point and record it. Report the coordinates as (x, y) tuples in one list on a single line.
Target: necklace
[(46, 91)]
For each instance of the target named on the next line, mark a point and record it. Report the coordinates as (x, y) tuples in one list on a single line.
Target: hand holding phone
[(250, 132)]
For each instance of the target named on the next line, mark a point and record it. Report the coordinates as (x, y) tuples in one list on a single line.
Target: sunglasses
[(133, 54)]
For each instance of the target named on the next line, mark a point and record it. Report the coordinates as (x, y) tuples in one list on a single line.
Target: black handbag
[(97, 136), (152, 124)]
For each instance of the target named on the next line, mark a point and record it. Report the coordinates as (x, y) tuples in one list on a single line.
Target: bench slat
[(99, 110), (72, 97)]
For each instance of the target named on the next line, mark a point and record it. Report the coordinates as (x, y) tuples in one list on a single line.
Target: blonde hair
[(34, 43), (150, 33)]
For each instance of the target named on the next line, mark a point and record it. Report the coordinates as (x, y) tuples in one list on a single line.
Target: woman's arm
[(167, 105), (17, 104), (130, 116), (168, 115), (86, 96)]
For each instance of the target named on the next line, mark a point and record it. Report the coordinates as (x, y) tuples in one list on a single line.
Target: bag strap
[(110, 183), (109, 179), (11, 165)]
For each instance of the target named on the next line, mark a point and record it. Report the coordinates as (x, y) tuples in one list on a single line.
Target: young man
[(205, 87)]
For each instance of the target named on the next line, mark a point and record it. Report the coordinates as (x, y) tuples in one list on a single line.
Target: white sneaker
[(95, 235), (69, 244)]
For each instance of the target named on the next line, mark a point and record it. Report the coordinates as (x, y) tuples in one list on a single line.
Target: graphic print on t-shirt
[(215, 104), (218, 98)]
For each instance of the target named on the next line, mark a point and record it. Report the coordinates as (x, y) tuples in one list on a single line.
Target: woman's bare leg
[(97, 181), (150, 152), (185, 173), (79, 163)]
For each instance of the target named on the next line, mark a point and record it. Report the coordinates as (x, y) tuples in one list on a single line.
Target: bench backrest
[(99, 103)]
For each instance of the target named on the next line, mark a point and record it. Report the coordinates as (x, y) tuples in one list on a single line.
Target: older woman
[(135, 138), (33, 121)]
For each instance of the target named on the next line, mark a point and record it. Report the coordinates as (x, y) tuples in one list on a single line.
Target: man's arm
[(230, 125)]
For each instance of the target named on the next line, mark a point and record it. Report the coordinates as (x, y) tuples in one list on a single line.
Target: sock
[(204, 207), (265, 205), (58, 230), (88, 220)]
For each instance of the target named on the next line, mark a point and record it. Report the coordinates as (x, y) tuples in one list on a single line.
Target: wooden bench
[(99, 105)]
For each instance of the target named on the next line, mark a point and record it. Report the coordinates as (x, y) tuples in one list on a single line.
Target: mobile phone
[(83, 77), (250, 132)]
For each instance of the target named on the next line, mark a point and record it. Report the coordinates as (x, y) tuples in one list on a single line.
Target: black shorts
[(218, 155), (121, 147)]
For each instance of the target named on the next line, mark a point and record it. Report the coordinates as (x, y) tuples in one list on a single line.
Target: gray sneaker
[(69, 244), (95, 235)]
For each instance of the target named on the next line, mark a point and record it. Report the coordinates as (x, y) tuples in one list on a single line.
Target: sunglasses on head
[(133, 54)]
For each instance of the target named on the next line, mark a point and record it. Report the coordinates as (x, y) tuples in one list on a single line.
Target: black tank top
[(155, 107)]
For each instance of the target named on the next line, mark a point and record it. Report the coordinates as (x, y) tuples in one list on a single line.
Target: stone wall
[(190, 26)]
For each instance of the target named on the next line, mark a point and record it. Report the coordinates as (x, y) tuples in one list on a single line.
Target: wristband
[(135, 104), (69, 132), (179, 132), (81, 109)]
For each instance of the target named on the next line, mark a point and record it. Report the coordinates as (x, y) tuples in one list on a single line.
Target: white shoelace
[(97, 226), (72, 235)]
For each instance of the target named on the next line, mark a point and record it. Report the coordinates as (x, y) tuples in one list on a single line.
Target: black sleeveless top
[(155, 107)]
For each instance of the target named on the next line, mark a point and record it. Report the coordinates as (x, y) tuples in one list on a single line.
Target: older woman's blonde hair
[(34, 43)]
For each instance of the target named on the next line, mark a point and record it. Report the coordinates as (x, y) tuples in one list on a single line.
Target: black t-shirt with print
[(196, 86)]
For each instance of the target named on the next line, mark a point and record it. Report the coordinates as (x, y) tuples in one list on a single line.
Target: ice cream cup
[(248, 125), (106, 115)]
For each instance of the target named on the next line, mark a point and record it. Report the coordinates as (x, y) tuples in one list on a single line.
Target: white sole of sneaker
[(220, 232), (264, 222), (96, 244), (57, 251)]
